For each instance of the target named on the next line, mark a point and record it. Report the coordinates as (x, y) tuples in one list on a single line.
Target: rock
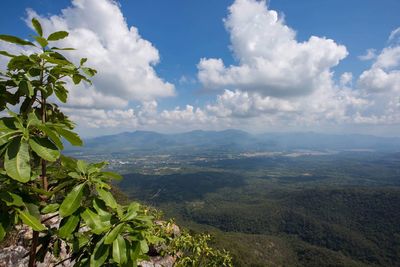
[(13, 256), (158, 261)]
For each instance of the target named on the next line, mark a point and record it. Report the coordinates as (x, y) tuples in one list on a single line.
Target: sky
[(260, 66)]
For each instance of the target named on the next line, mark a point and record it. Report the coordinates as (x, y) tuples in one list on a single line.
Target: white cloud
[(369, 54), (124, 60), (346, 79), (384, 74), (395, 34), (270, 59)]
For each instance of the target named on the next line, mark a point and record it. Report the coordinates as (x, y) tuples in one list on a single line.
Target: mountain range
[(233, 141)]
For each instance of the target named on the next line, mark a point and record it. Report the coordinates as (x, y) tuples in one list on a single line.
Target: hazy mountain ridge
[(235, 141)]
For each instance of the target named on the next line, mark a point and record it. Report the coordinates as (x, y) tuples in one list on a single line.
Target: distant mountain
[(232, 141)]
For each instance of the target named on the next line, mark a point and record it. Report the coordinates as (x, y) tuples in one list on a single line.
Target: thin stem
[(32, 252), (35, 237)]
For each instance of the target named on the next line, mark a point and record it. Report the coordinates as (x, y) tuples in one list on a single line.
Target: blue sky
[(184, 32)]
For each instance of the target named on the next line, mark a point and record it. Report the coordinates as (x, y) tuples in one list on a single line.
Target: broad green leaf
[(89, 72), (144, 247), (33, 210), (52, 135), (129, 215), (101, 208), (94, 222), (70, 136), (68, 226), (110, 237), (44, 148), (81, 166), (26, 88), (14, 40), (100, 254), (57, 36), (119, 251), (51, 208), (112, 175), (79, 242), (31, 221), (16, 162), (37, 26), (135, 251), (77, 78), (68, 162), (43, 42), (61, 93), (107, 197), (72, 201), (12, 199)]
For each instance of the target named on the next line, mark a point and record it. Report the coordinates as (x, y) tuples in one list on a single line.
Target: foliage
[(38, 183), (192, 250)]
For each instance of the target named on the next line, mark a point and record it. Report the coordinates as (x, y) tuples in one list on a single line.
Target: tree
[(37, 182)]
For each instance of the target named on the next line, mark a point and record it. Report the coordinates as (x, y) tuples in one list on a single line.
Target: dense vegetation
[(330, 210), (38, 183)]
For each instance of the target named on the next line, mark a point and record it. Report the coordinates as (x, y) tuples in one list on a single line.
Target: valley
[(279, 207)]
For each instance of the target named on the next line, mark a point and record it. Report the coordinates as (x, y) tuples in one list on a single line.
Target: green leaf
[(144, 247), (57, 36), (65, 49), (57, 248), (42, 41), (52, 135), (31, 221), (26, 88), (81, 166), (112, 175), (72, 201), (44, 148), (68, 225), (135, 251), (2, 232), (12, 199), (4, 224), (14, 40), (16, 162), (100, 254), (119, 251), (33, 210), (61, 93), (95, 222), (77, 78), (5, 53), (89, 72), (37, 26), (101, 208), (107, 197), (50, 208), (110, 237), (83, 61), (70, 136)]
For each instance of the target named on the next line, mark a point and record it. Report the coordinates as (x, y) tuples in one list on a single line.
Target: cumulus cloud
[(369, 54), (384, 74), (270, 59), (125, 61)]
